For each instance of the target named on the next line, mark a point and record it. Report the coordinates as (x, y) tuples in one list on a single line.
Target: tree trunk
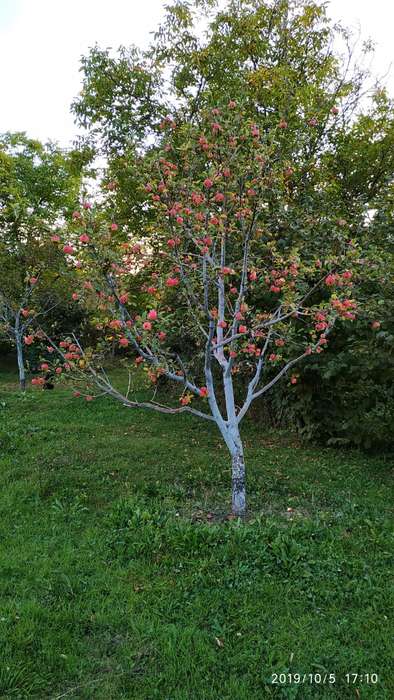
[(21, 365), (238, 483)]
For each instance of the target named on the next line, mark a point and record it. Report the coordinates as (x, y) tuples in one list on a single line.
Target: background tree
[(35, 285), (38, 187), (281, 56)]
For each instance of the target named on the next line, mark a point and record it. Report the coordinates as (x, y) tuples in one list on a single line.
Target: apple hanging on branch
[(261, 296)]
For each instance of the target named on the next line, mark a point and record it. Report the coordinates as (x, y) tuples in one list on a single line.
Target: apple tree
[(258, 298), (38, 185)]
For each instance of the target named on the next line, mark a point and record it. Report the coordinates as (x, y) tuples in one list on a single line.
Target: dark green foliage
[(343, 398), (348, 398), (39, 183)]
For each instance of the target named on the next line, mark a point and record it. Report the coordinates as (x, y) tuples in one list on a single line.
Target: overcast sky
[(41, 42)]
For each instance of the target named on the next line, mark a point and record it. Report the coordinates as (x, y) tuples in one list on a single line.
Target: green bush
[(345, 397)]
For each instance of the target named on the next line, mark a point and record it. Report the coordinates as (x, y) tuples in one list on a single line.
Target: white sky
[(41, 42)]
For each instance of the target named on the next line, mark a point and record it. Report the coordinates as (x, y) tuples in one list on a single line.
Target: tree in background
[(35, 283), (249, 301), (280, 56), (38, 186)]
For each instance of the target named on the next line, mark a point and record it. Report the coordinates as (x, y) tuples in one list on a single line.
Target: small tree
[(259, 284), (38, 184), (16, 322), (34, 282)]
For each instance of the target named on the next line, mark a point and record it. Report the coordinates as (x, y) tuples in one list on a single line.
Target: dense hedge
[(345, 397)]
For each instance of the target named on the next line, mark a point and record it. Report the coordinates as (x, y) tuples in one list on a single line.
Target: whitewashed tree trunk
[(234, 443), (238, 481), (232, 438), (21, 364)]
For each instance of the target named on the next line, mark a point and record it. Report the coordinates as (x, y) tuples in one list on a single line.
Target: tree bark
[(238, 483), (21, 364)]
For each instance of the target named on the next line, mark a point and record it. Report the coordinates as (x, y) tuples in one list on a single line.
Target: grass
[(121, 577)]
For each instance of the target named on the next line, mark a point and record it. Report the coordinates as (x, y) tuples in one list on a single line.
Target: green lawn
[(121, 577)]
